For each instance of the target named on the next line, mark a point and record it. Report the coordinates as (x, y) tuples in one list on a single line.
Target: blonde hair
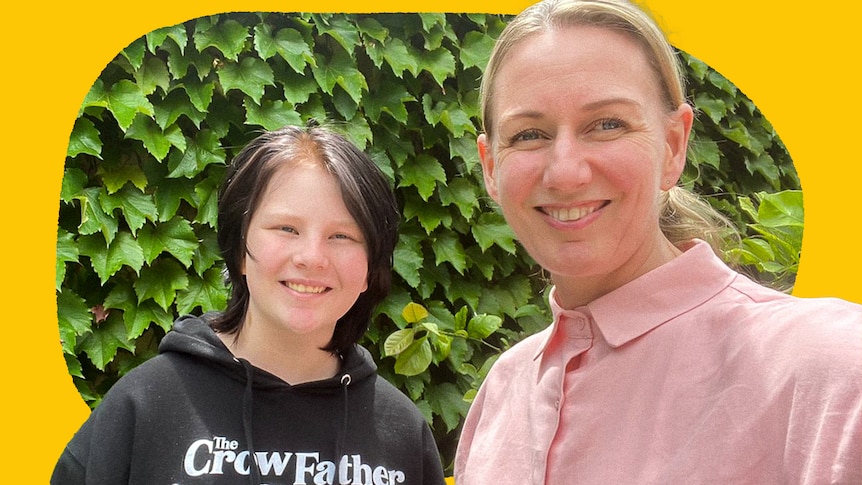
[(684, 215)]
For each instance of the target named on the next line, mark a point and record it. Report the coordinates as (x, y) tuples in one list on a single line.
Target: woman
[(274, 389), (662, 365)]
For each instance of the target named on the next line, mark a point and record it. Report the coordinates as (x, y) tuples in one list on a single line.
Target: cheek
[(516, 174)]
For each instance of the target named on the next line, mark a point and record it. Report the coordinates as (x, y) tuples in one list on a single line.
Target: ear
[(677, 135), (488, 166)]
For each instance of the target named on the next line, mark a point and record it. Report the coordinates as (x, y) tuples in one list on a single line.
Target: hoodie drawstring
[(339, 442), (247, 410)]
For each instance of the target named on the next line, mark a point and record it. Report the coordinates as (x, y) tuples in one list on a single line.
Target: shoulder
[(154, 380), (392, 402), (811, 338)]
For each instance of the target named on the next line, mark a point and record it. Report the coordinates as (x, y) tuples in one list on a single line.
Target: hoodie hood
[(193, 336)]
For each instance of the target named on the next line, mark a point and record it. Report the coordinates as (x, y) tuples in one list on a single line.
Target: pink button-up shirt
[(690, 374)]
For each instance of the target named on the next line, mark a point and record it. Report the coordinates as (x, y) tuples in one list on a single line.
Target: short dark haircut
[(366, 192)]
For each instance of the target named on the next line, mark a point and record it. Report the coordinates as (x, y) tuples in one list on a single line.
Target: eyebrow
[(591, 106)]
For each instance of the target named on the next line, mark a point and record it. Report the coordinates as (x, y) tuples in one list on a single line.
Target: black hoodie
[(194, 414)]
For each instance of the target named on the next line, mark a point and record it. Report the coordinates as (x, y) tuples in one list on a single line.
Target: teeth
[(305, 289), (572, 214)]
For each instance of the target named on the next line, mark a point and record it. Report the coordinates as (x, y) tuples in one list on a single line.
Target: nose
[(310, 253), (568, 166)]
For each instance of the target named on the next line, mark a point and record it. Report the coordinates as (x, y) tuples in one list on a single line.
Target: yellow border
[(794, 62)]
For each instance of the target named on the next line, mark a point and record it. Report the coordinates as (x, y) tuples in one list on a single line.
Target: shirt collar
[(658, 296)]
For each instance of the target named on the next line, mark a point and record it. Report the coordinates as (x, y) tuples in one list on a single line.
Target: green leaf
[(208, 293), (359, 133), (67, 252), (415, 358), (781, 209), (134, 53), (251, 76), (84, 139), (204, 150), (74, 318), (271, 114), (175, 236), (408, 262), (400, 58), (339, 28), (93, 217), (117, 172), (738, 132), (145, 130), (765, 165), (178, 61), (448, 403), (175, 105), (122, 251), (287, 43), (138, 317), (161, 282), (423, 173), (229, 37), (101, 346), (414, 313), (476, 49), (507, 297), (463, 193), (440, 63), (491, 230), (398, 341), (72, 186), (207, 252), (125, 100), (298, 88), (73, 365), (389, 98), (448, 249), (206, 193), (430, 216), (482, 326), (169, 196), (339, 70), (704, 152), (200, 93), (152, 74), (715, 108), (449, 115), (157, 37), (136, 206)]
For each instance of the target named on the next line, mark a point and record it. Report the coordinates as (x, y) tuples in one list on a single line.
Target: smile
[(572, 213), (300, 288)]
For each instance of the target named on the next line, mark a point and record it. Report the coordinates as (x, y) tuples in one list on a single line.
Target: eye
[(526, 135), (288, 229), (609, 124)]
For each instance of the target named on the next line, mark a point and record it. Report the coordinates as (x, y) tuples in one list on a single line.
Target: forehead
[(573, 62)]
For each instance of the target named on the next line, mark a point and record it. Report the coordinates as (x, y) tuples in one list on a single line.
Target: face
[(308, 261), (579, 148)]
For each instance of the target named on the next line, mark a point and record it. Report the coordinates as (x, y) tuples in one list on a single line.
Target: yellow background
[(794, 61)]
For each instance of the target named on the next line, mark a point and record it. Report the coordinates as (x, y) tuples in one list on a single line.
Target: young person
[(662, 365), (274, 389)]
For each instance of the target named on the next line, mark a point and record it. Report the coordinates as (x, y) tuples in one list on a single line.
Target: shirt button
[(557, 404)]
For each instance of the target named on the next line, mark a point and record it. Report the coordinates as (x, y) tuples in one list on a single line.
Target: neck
[(292, 362), (579, 290)]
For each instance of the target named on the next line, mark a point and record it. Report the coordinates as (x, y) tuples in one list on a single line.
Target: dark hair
[(367, 195)]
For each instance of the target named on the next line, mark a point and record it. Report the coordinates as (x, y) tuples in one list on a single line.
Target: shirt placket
[(573, 340)]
